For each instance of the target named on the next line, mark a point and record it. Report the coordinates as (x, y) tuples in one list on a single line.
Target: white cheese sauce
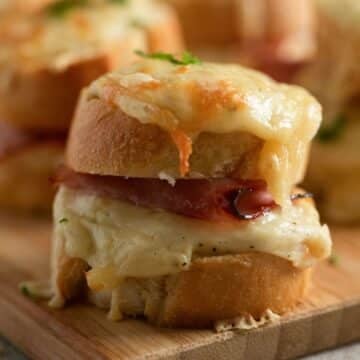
[(124, 240)]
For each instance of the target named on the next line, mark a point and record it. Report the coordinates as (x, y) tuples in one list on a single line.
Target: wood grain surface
[(329, 317)]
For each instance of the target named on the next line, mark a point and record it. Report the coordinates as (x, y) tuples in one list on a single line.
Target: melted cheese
[(247, 322), (220, 99), (120, 240), (58, 41)]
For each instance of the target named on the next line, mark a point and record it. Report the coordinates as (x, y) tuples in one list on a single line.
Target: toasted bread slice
[(213, 289)]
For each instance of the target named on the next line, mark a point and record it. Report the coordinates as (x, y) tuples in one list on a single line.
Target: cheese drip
[(214, 98)]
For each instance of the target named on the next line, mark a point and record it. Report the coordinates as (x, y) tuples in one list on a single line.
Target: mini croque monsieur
[(45, 60), (178, 199), (334, 78)]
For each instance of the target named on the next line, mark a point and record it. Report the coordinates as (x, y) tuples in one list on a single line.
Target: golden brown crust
[(24, 177), (224, 287), (213, 289), (46, 98), (71, 278), (105, 141)]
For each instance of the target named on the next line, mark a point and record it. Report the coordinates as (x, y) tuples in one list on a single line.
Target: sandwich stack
[(179, 201)]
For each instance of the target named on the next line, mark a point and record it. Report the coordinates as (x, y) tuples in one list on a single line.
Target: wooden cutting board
[(329, 317)]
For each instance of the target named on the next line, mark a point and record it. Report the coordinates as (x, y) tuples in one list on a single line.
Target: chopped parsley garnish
[(63, 221), (332, 131), (24, 290), (334, 260), (120, 2), (185, 59), (137, 24), (62, 7), (305, 195)]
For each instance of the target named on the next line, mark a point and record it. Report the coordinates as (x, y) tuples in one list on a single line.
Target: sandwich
[(178, 199), (334, 78), (273, 36), (48, 57)]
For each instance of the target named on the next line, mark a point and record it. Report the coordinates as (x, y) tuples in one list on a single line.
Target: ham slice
[(207, 199), (13, 140)]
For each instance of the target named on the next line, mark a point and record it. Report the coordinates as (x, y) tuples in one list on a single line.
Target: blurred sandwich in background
[(46, 58), (25, 6), (271, 35), (334, 78)]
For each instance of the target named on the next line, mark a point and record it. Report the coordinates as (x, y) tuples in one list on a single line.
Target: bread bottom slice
[(213, 289), (24, 177)]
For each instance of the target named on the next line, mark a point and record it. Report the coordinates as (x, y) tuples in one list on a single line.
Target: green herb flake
[(334, 259), (24, 290), (62, 7), (333, 131), (119, 2), (136, 23), (23, 287), (185, 59), (63, 221)]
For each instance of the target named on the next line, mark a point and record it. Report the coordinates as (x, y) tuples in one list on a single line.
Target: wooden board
[(329, 317)]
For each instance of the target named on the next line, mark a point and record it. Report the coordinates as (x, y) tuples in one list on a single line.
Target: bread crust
[(24, 177), (213, 289), (45, 98), (225, 287), (105, 141)]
